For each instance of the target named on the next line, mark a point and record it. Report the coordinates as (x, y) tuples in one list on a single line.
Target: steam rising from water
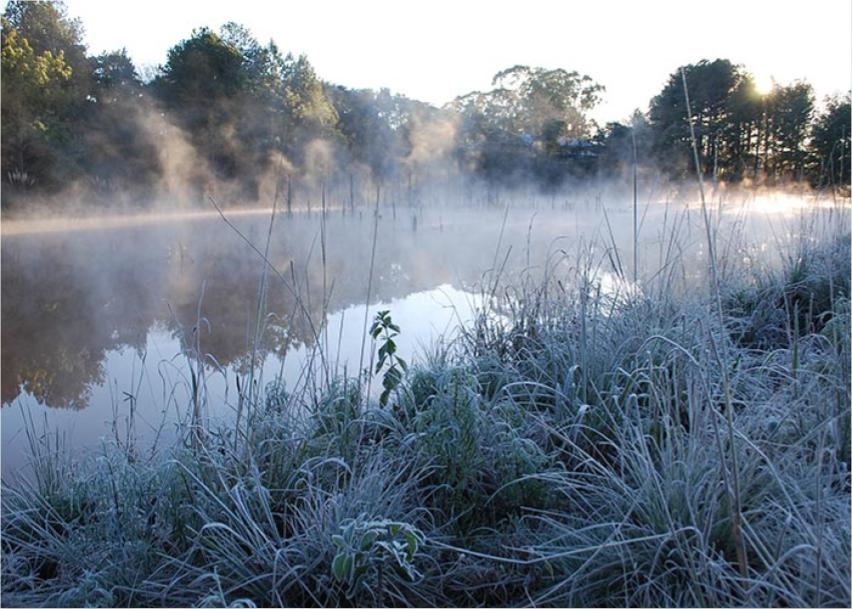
[(87, 297), (69, 224)]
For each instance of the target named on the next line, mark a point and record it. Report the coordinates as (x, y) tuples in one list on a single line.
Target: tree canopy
[(226, 111)]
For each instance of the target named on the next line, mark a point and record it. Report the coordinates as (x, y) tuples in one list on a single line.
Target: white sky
[(434, 50)]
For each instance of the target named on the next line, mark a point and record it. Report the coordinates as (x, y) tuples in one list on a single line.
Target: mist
[(268, 340)]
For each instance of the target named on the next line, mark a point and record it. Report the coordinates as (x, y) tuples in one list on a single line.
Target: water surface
[(100, 317)]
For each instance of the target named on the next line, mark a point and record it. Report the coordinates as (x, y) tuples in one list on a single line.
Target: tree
[(616, 142), (211, 87), (788, 115), (47, 26), (34, 95), (830, 143), (528, 101), (305, 98), (199, 73), (368, 136), (738, 131), (112, 71), (119, 154), (243, 102), (745, 108), (525, 122), (711, 85)]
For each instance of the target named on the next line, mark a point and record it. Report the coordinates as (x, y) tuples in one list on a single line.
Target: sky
[(435, 50)]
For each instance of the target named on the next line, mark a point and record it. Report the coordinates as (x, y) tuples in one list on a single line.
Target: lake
[(100, 317)]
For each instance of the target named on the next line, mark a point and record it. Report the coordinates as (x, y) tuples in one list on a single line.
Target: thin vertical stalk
[(325, 293), (370, 288), (198, 382), (261, 310), (736, 510), (635, 211)]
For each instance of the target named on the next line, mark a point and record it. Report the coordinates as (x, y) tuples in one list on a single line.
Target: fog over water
[(100, 314)]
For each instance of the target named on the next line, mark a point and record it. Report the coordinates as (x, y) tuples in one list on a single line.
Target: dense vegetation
[(575, 447), (228, 114), (651, 444)]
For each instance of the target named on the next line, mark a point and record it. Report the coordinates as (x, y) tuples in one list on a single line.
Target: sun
[(764, 83)]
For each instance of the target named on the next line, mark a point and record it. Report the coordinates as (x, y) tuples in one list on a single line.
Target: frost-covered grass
[(572, 447)]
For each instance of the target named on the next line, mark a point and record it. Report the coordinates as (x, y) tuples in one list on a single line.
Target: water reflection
[(784, 204), (72, 298), (91, 313)]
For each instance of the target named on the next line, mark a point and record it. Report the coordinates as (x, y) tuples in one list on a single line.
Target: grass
[(573, 447)]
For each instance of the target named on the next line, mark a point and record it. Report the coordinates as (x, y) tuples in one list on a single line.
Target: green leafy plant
[(369, 549), (385, 330)]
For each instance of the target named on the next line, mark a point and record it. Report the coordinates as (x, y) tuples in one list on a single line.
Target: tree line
[(228, 111)]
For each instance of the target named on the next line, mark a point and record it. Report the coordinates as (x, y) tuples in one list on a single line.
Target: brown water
[(97, 317)]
